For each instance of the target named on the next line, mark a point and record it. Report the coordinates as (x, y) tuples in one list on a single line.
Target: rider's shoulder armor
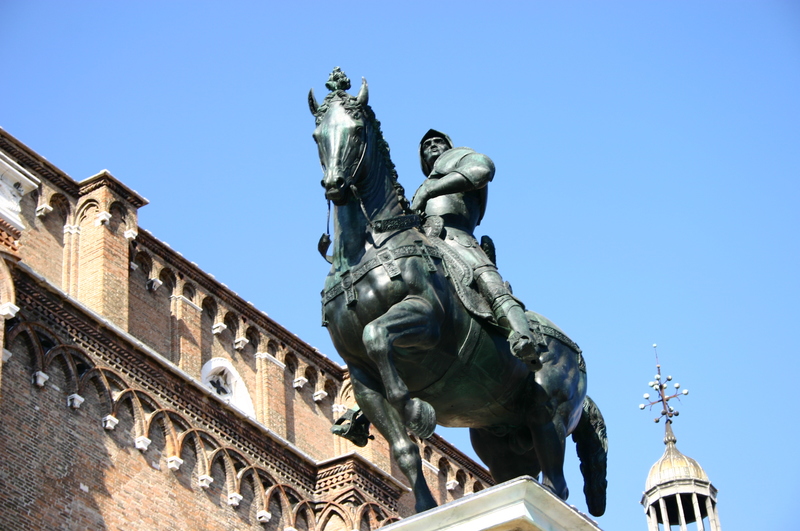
[(476, 167)]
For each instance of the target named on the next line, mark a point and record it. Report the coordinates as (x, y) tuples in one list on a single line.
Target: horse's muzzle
[(335, 189), (336, 195)]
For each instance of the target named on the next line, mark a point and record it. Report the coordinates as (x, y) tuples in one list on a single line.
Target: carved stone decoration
[(102, 218), (7, 355), (298, 383), (43, 210), (218, 328), (40, 378), (174, 462), (153, 284), (263, 516), (234, 498), (15, 182), (319, 396), (130, 234), (451, 485), (240, 343), (110, 422), (75, 400), (141, 442), (8, 310), (205, 481)]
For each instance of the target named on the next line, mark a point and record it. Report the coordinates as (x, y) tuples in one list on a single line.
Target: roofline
[(104, 178), (33, 162)]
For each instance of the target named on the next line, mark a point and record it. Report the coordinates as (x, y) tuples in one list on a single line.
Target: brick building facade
[(139, 393)]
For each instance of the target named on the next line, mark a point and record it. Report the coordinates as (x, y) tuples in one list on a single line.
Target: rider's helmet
[(432, 133)]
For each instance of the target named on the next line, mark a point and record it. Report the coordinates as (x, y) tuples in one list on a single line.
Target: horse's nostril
[(339, 181), (322, 183)]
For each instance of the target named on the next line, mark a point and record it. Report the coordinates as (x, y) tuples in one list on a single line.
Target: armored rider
[(453, 199)]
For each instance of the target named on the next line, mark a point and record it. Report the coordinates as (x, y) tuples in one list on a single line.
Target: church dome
[(673, 465)]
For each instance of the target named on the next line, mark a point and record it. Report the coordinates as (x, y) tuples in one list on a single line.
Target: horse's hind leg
[(388, 422), (409, 323), (549, 441), (505, 459)]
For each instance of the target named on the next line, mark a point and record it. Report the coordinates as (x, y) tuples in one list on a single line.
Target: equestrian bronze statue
[(428, 336)]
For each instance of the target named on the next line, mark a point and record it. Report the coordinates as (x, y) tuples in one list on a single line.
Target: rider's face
[(432, 148)]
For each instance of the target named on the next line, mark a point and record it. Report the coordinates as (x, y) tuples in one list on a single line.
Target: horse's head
[(341, 137)]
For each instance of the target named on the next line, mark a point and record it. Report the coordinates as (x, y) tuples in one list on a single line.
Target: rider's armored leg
[(509, 313)]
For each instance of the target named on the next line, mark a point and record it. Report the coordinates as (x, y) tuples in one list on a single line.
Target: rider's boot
[(521, 338)]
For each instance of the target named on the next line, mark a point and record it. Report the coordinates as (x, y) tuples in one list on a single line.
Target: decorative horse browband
[(386, 259)]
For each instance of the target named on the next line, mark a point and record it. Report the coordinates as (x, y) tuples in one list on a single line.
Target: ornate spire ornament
[(660, 386), (678, 491)]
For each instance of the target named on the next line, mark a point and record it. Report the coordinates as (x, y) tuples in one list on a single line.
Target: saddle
[(459, 273)]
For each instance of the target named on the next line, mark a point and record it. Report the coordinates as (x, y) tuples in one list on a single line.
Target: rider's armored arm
[(455, 174)]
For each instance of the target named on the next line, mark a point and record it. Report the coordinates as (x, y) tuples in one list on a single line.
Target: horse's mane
[(355, 110)]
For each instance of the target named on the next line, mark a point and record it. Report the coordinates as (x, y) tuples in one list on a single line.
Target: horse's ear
[(363, 93), (312, 102)]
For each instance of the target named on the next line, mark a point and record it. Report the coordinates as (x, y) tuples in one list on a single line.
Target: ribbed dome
[(673, 465)]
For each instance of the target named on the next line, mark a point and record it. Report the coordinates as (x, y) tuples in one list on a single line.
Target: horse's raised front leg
[(388, 422), (411, 323)]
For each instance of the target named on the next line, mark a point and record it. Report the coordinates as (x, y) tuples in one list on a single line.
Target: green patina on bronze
[(428, 329)]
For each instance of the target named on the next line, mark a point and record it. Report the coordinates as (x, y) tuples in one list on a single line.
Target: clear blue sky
[(648, 156)]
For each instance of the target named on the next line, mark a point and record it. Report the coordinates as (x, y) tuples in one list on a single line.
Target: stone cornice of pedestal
[(521, 504)]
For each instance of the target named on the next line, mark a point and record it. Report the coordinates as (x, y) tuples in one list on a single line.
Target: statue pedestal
[(520, 504)]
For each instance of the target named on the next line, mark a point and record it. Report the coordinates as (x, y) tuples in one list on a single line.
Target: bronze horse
[(416, 356)]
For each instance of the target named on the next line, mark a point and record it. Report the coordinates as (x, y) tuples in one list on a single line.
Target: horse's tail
[(592, 444)]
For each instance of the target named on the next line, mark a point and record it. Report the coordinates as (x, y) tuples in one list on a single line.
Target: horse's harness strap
[(385, 258), (561, 336), (408, 221)]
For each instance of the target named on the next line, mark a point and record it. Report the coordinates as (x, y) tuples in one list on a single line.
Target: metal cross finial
[(662, 398)]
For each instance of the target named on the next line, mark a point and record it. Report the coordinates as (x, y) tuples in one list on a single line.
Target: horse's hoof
[(420, 418)]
